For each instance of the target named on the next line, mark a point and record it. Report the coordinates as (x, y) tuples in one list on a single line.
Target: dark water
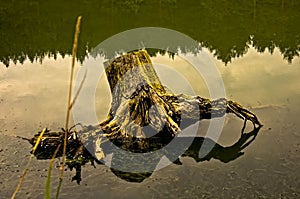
[(33, 95), (37, 28)]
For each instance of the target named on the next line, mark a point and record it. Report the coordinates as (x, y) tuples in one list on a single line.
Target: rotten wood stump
[(144, 117), (142, 107)]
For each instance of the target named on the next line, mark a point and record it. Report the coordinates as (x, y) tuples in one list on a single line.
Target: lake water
[(33, 95)]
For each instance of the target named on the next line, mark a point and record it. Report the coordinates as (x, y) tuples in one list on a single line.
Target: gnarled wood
[(139, 99), (144, 117)]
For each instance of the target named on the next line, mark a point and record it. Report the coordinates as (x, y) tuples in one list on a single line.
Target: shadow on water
[(199, 148)]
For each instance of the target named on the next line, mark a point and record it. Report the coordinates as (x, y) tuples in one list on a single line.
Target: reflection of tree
[(224, 154), (42, 28), (200, 149), (214, 150)]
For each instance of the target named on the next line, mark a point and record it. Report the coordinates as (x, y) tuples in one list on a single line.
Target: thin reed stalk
[(74, 51), (78, 91), (28, 164)]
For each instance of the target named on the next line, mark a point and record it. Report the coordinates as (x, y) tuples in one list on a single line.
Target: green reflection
[(36, 29)]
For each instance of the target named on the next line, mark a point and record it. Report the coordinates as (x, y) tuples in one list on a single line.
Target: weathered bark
[(139, 100)]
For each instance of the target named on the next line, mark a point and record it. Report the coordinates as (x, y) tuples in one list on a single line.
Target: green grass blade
[(47, 189)]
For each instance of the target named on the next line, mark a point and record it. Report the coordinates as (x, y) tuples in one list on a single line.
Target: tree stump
[(144, 117), (142, 107)]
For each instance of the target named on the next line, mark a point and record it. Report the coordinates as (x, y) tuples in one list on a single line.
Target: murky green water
[(33, 95)]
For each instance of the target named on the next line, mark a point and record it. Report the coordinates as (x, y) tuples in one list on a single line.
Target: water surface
[(255, 45), (33, 96)]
